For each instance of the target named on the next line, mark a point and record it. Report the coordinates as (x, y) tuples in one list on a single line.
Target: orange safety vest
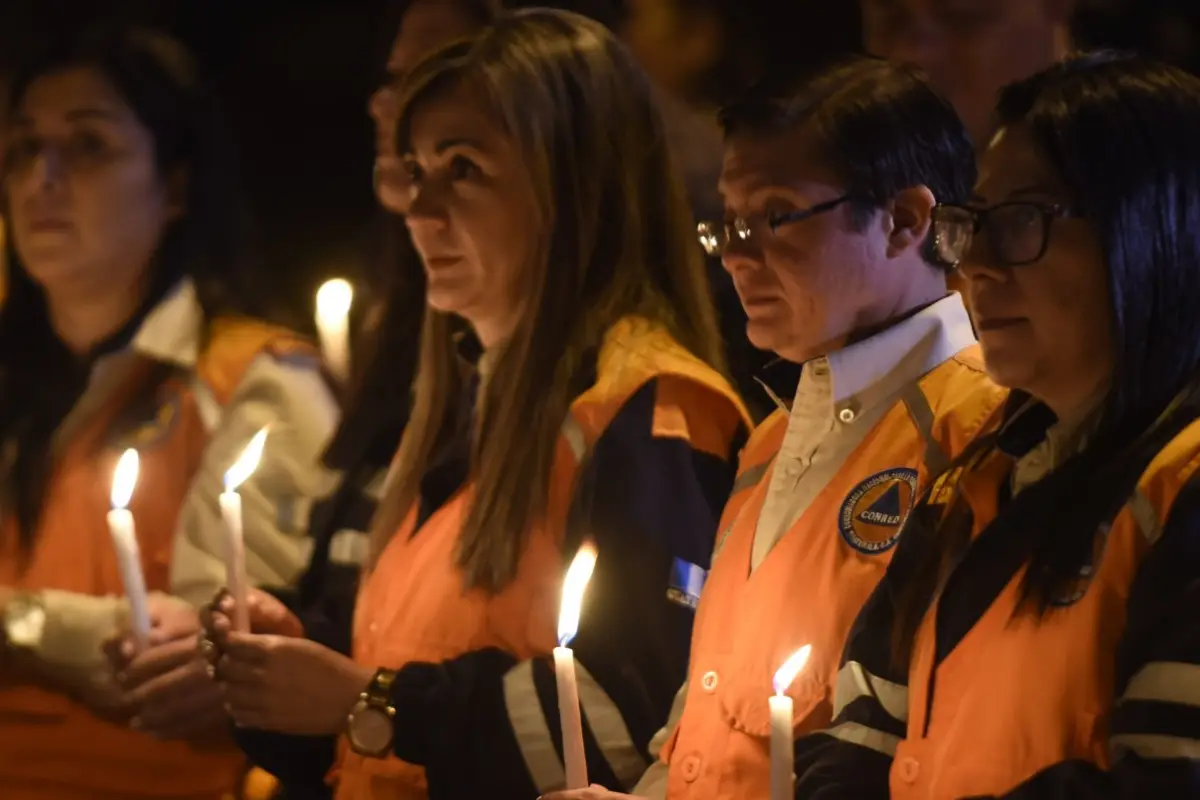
[(1019, 694), (52, 748), (412, 607), (811, 586)]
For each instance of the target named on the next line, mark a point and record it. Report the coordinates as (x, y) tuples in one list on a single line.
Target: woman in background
[(568, 388), (128, 326), (322, 608)]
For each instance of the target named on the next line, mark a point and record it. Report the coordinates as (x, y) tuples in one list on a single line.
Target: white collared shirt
[(292, 398), (841, 397)]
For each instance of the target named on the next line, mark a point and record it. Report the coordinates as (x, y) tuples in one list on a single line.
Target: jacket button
[(709, 681), (910, 768), (691, 768)]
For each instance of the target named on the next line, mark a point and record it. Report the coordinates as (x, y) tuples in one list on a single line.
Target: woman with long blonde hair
[(569, 389)]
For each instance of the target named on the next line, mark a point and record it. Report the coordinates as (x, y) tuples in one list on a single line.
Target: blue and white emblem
[(874, 512)]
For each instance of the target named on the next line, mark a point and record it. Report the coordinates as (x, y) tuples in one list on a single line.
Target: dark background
[(295, 76)]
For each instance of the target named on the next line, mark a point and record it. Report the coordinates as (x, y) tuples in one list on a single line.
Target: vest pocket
[(745, 704)]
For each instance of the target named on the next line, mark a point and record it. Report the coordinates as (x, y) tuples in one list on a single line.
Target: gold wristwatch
[(24, 623), (371, 724)]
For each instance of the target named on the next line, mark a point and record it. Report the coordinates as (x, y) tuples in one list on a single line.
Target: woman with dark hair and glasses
[(133, 320), (1037, 634)]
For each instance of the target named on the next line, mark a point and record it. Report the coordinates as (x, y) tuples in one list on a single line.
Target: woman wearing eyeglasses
[(1037, 634)]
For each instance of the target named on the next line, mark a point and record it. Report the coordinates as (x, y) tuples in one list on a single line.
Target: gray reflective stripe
[(749, 478), (206, 404), (919, 409), (572, 431), (530, 729), (1149, 745), (609, 730), (853, 682), (1167, 682), (855, 733), (292, 514), (721, 537), (349, 547), (1145, 515)]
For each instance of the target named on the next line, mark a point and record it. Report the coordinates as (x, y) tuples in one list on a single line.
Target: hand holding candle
[(578, 575), (231, 511), (334, 299), (782, 757), (124, 536)]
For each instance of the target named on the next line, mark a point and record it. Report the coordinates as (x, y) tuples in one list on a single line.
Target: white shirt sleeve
[(293, 401), (653, 784)]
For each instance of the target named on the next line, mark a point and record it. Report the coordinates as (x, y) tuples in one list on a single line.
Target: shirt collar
[(862, 376), (173, 330)]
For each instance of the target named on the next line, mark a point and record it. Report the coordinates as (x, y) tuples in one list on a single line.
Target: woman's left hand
[(288, 685), (166, 684)]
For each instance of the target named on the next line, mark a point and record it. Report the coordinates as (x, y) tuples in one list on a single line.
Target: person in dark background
[(970, 49), (377, 408), (130, 323)]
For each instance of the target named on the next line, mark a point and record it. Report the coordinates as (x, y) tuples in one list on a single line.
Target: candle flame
[(333, 300), (247, 462), (791, 668), (578, 575), (124, 478)]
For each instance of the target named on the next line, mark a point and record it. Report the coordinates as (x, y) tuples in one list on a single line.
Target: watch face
[(370, 730)]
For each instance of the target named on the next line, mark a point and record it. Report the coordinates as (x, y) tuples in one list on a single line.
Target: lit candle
[(333, 324), (231, 510), (782, 757), (578, 575), (124, 536)]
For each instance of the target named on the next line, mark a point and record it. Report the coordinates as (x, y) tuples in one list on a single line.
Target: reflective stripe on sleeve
[(530, 729), (854, 681), (609, 730), (1166, 682), (854, 733), (1155, 746)]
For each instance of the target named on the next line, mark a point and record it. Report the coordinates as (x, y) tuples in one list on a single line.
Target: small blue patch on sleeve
[(299, 359), (687, 581)]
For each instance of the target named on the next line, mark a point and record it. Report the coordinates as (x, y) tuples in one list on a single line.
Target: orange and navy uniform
[(51, 747), (920, 395), (325, 596), (642, 467), (1099, 697)]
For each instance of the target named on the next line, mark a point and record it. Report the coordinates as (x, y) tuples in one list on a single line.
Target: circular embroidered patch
[(874, 511)]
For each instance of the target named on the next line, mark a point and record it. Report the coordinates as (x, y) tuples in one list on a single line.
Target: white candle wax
[(333, 325), (782, 756), (124, 536), (235, 558), (572, 724)]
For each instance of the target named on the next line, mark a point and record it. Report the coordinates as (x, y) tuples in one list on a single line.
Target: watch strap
[(378, 693)]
